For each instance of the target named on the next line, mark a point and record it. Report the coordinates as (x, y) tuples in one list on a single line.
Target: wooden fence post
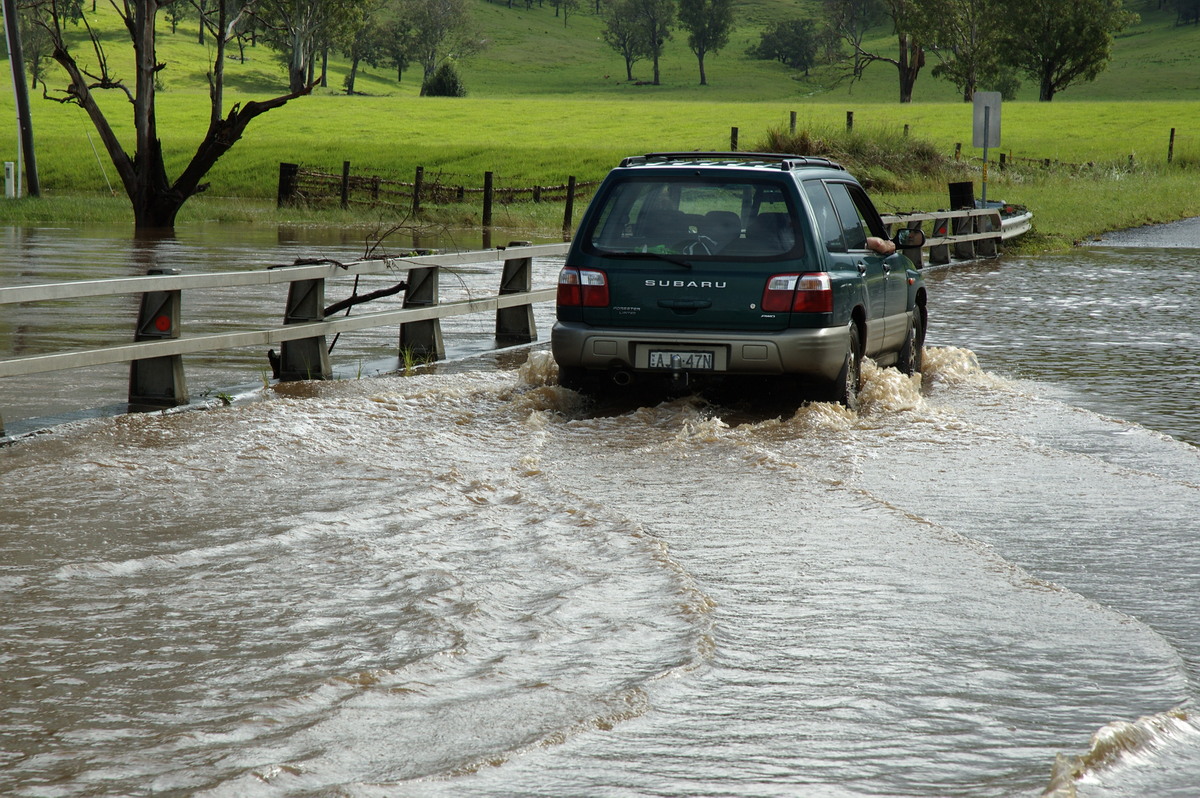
[(849, 121), (487, 199), (569, 211), (792, 126), (288, 177), (418, 179), (345, 184), (1171, 147), (733, 139)]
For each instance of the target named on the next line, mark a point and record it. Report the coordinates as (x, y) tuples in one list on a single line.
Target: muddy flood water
[(472, 582)]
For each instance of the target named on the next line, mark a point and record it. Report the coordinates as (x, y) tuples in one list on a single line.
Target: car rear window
[(744, 219)]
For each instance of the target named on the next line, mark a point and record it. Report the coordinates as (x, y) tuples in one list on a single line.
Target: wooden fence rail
[(953, 235)]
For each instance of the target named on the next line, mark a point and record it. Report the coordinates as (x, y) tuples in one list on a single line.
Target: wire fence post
[(418, 179), (569, 212), (289, 174), (487, 199)]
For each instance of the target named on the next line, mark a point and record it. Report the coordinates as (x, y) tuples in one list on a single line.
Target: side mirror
[(908, 237)]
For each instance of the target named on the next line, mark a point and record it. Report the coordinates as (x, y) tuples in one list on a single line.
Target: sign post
[(987, 127)]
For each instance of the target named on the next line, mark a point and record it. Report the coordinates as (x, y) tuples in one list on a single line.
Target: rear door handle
[(685, 304)]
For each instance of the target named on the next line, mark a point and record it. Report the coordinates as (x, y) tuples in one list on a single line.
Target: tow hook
[(679, 377)]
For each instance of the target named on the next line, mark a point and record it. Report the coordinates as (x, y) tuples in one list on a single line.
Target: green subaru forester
[(694, 267)]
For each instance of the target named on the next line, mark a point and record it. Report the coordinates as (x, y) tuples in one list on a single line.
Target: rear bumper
[(812, 352)]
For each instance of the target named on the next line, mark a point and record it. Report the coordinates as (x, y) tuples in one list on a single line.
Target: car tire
[(572, 377), (845, 390), (912, 354), (580, 380)]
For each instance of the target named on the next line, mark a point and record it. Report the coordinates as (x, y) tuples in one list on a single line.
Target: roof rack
[(786, 162)]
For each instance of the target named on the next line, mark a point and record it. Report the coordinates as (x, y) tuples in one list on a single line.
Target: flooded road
[(472, 582)]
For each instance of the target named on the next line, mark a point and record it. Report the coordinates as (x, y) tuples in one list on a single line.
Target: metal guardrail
[(963, 235), (155, 356)]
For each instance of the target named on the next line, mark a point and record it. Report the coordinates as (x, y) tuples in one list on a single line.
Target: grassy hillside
[(547, 101), (531, 52)]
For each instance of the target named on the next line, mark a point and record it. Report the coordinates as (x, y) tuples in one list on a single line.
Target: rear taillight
[(582, 288), (798, 293)]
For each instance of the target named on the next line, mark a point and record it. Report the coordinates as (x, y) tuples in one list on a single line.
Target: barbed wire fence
[(313, 187)]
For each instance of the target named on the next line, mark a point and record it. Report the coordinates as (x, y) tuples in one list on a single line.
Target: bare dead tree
[(155, 197)]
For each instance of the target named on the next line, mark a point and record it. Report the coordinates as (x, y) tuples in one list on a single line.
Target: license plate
[(686, 360)]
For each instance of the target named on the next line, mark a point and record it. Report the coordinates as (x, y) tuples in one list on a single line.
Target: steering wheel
[(700, 245)]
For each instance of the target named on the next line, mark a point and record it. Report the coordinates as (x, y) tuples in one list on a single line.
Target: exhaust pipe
[(622, 378)]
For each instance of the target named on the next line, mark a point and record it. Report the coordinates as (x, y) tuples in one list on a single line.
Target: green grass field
[(548, 101)]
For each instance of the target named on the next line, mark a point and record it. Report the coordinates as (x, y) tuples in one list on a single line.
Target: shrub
[(445, 82)]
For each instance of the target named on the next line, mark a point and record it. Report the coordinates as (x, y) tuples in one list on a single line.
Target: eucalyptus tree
[(566, 7), (623, 33), (655, 18), (155, 197), (850, 20), (708, 24), (1060, 43), (300, 29), (965, 37), (438, 31), (910, 59), (368, 42), (793, 42)]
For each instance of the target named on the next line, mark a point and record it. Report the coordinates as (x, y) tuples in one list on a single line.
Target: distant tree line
[(978, 44), (396, 34)]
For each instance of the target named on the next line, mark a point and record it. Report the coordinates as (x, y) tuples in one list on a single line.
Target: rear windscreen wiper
[(669, 257)]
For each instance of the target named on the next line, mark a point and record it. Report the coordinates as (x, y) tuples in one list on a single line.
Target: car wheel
[(912, 354), (850, 378)]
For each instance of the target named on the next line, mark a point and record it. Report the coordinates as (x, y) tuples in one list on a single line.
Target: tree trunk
[(1046, 91), (703, 78), (353, 74), (912, 58), (156, 200)]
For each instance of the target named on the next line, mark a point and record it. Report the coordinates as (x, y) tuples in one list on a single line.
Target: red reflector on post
[(162, 323)]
